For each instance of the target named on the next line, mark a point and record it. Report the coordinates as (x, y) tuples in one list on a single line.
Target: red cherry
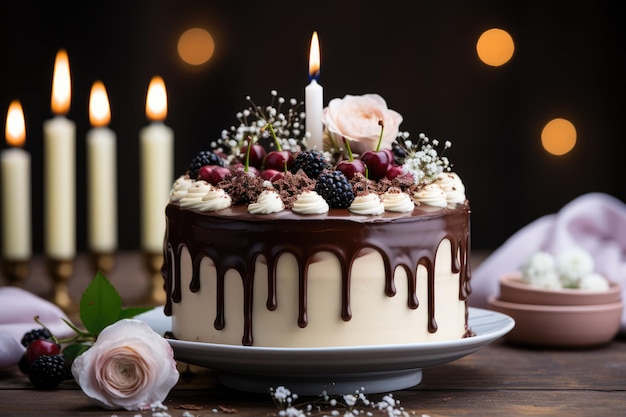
[(377, 163), (257, 155), (272, 175), (278, 160), (40, 347), (213, 173), (349, 168), (393, 171)]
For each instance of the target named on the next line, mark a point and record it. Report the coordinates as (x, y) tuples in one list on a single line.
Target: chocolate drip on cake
[(234, 239)]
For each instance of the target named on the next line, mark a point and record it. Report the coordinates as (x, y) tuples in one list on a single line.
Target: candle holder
[(15, 271), (154, 264), (61, 270), (103, 262)]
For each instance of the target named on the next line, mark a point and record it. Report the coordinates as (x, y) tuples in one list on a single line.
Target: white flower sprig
[(285, 119), (421, 159)]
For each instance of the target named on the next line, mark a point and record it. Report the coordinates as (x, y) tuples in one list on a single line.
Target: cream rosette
[(356, 118), (310, 202), (431, 195), (129, 366)]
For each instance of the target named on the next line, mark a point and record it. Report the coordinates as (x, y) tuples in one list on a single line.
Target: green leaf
[(71, 352), (130, 312), (100, 305)]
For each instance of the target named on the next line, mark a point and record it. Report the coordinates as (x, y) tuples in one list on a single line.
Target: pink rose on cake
[(129, 366), (357, 119)]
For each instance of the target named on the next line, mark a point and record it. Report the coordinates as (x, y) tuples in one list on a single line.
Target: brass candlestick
[(154, 263), (15, 271), (103, 262), (61, 270)]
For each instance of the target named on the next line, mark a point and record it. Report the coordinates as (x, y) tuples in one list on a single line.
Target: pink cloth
[(595, 222), (18, 309)]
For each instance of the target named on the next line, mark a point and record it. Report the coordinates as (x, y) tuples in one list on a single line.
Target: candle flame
[(156, 100), (61, 84), (99, 110), (15, 127), (314, 57)]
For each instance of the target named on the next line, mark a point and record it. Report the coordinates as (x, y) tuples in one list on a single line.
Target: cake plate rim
[(335, 370)]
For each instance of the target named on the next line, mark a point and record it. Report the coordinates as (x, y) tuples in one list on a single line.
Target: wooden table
[(500, 379)]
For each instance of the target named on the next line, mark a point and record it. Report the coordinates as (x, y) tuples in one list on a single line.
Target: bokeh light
[(495, 47), (196, 46), (558, 136)]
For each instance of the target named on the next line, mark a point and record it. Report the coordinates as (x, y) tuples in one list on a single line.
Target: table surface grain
[(500, 379)]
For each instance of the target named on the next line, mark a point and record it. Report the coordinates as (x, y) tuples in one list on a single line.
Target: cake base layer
[(318, 281)]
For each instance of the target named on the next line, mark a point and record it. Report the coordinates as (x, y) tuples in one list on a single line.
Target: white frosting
[(367, 204), (216, 199), (195, 193), (180, 187), (395, 200), (452, 185), (310, 202), (376, 318), (431, 195), (268, 202)]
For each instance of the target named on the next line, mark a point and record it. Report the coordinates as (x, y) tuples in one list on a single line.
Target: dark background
[(420, 56)]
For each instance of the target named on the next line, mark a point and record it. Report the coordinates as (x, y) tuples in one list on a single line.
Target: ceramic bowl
[(514, 290), (561, 326)]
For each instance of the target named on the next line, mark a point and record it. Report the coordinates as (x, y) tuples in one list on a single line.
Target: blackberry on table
[(48, 371), (311, 161), (201, 159), (35, 334), (335, 188)]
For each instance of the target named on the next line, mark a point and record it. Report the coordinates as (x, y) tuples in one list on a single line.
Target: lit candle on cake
[(314, 99), (59, 167), (157, 168), (102, 178), (16, 186)]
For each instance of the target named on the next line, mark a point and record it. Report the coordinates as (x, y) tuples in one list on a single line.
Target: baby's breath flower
[(285, 120), (421, 158)]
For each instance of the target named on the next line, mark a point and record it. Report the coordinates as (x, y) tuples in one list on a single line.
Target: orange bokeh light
[(196, 46), (558, 136), (495, 47)]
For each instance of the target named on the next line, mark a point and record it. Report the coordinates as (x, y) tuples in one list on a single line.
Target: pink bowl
[(562, 326), (514, 290)]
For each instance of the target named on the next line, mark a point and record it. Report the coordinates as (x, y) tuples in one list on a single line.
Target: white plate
[(340, 370)]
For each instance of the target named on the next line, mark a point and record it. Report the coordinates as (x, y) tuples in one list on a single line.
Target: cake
[(363, 242)]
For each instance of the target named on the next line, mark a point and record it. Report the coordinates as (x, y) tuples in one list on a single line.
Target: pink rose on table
[(357, 118), (129, 366)]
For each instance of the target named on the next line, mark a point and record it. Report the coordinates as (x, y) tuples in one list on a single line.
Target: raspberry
[(312, 162), (35, 334), (335, 188), (201, 159), (48, 371)]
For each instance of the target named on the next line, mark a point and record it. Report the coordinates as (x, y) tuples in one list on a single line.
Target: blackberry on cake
[(335, 188), (311, 162), (201, 159)]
